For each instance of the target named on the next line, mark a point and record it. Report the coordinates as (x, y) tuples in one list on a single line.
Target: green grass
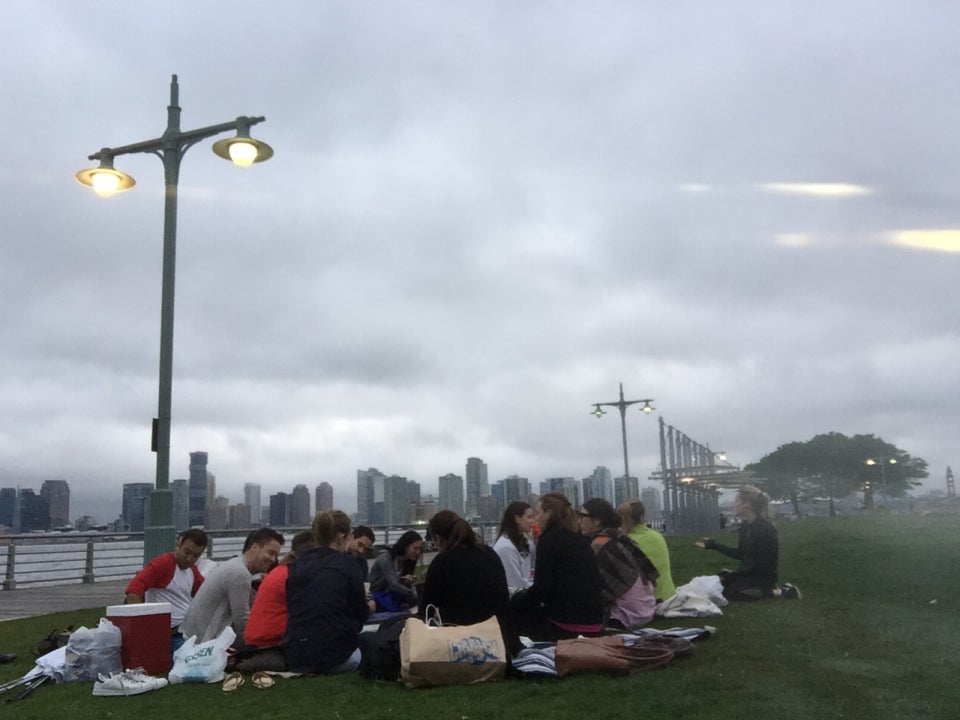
[(865, 642)]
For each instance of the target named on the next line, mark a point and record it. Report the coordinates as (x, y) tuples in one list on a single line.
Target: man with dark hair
[(361, 540), (172, 578), (225, 598)]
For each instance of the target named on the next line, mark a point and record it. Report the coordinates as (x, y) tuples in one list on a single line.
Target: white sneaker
[(130, 682)]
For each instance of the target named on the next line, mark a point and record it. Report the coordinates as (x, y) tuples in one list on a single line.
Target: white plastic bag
[(203, 663), (90, 653)]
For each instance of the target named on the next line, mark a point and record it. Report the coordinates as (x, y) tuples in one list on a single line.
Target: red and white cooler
[(145, 629)]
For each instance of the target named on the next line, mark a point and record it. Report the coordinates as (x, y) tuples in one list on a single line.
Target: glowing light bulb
[(105, 184), (243, 153)]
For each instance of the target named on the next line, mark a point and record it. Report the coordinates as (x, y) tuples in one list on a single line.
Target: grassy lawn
[(877, 635)]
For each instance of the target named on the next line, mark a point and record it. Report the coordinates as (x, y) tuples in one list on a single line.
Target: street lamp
[(622, 405), (882, 462), (170, 147)]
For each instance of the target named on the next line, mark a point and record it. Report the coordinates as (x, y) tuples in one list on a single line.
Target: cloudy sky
[(480, 218)]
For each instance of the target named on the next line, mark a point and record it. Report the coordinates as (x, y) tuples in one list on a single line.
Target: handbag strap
[(431, 616)]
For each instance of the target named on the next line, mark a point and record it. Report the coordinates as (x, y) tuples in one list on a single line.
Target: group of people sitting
[(553, 573)]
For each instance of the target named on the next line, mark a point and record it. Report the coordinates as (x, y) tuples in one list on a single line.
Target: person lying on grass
[(757, 549)]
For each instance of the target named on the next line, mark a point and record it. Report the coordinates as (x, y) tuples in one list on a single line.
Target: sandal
[(262, 680), (232, 682)]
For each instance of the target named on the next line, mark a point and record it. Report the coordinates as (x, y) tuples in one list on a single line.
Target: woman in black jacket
[(326, 603), (757, 549), (466, 581), (564, 600)]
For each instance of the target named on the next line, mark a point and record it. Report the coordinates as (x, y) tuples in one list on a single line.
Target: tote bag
[(451, 654)]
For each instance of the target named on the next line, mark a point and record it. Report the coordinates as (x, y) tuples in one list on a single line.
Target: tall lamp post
[(622, 406), (882, 462), (170, 147)]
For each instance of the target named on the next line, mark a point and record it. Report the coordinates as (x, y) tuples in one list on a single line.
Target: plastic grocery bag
[(204, 663), (90, 653)]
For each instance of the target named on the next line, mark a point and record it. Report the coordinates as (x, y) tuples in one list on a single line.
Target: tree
[(833, 465)]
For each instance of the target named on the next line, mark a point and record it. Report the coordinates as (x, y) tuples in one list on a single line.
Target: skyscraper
[(477, 485), (599, 485), (279, 513), (515, 488), (136, 505), (8, 506), (180, 489), (451, 493), (565, 485), (396, 501), (251, 498), (212, 521), (198, 488), (34, 512), (57, 495), (625, 489), (299, 501), (369, 494), (324, 497)]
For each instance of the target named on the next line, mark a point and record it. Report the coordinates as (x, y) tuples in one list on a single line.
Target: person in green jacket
[(633, 517)]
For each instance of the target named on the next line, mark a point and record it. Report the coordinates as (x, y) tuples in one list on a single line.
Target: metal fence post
[(10, 582), (88, 577)]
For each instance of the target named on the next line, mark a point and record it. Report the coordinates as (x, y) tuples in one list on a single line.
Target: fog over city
[(480, 218)]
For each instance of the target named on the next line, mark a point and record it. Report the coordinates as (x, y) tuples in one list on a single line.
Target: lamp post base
[(158, 540)]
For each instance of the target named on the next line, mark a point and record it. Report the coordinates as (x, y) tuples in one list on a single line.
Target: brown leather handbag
[(610, 656)]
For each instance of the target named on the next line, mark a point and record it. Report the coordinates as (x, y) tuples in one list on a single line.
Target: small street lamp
[(882, 462), (170, 147), (622, 406)]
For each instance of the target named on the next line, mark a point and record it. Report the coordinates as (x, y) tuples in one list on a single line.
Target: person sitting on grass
[(633, 521), (757, 549), (224, 598), (361, 540), (268, 614), (627, 577), (564, 600), (391, 575), (514, 547), (465, 581), (173, 578), (326, 602)]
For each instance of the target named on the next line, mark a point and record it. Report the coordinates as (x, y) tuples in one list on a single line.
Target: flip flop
[(262, 680), (233, 681)]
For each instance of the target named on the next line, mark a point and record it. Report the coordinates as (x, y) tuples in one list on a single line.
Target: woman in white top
[(514, 548)]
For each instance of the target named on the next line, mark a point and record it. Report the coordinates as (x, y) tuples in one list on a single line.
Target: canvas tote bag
[(435, 654)]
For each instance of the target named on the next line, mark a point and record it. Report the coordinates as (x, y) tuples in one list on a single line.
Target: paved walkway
[(28, 602)]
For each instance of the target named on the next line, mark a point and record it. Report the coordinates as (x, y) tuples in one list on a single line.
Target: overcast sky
[(480, 218)]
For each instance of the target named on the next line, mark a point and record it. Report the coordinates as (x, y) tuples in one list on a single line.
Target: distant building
[(324, 497), (488, 508), (625, 489), (180, 489), (477, 485), (34, 512), (567, 486), (251, 498), (599, 485), (8, 507), (370, 497), (135, 507), (212, 518), (217, 513), (515, 488), (451, 493), (238, 517), (279, 511), (57, 495), (198, 488), (653, 503), (396, 502), (299, 501)]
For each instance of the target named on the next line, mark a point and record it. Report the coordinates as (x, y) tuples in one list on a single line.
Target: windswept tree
[(832, 465)]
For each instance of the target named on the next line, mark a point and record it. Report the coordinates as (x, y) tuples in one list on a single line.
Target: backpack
[(380, 650)]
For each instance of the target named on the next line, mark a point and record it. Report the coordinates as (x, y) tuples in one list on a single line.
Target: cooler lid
[(137, 609)]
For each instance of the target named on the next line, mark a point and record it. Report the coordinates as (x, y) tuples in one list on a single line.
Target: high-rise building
[(299, 502), (625, 489), (324, 497), (238, 517), (565, 485), (652, 503), (370, 497), (136, 505), (602, 484), (209, 520), (57, 495), (180, 489), (198, 488), (217, 513), (451, 493), (515, 488), (33, 510), (477, 485), (251, 498), (396, 501), (8, 506), (279, 512), (488, 508)]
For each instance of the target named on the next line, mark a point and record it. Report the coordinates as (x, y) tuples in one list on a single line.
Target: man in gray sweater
[(226, 595)]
